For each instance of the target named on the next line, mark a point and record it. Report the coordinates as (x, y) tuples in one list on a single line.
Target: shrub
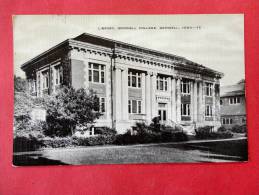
[(93, 141), (222, 129), (239, 129), (105, 131), (26, 143), (57, 142), (206, 133)]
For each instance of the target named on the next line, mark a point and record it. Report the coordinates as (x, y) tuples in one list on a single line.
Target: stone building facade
[(233, 105), (133, 83)]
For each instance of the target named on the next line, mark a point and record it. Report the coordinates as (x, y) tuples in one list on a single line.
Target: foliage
[(207, 133), (239, 129), (57, 142), (149, 134), (222, 129), (104, 131), (70, 108), (19, 84)]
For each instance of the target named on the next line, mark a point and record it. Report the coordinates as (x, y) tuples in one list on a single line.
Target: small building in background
[(233, 105)]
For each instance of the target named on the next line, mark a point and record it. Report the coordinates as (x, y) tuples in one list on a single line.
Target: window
[(161, 83), (58, 75), (185, 109), (227, 121), (96, 73), (101, 101), (208, 89), (91, 131), (221, 102), (45, 83), (208, 110), (234, 100), (134, 79), (135, 107), (185, 86)]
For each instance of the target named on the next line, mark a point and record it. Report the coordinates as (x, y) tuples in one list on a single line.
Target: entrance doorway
[(162, 112)]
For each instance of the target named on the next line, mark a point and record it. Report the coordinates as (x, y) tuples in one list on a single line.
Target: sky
[(215, 41)]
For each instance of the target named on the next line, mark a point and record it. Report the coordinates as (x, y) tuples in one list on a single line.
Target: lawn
[(221, 151)]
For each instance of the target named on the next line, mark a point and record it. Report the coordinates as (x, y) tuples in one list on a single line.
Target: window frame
[(58, 75), (101, 73), (137, 76), (162, 80), (234, 100), (185, 87), (208, 89), (138, 106), (45, 80), (208, 110), (187, 109)]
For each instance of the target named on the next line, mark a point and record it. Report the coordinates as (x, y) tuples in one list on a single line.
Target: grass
[(162, 153)]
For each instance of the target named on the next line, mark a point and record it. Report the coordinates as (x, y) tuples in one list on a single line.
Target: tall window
[(45, 83), (234, 100), (101, 104), (161, 83), (96, 73), (134, 79), (58, 75), (185, 109), (185, 86), (134, 107), (208, 89), (208, 110)]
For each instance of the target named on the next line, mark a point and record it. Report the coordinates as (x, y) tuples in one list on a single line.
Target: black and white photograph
[(129, 89)]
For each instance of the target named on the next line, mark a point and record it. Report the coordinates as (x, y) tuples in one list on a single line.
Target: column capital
[(119, 67), (152, 73)]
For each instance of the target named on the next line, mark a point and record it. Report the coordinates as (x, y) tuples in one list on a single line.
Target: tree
[(19, 84), (70, 108)]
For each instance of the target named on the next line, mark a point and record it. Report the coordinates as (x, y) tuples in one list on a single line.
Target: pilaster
[(178, 100)]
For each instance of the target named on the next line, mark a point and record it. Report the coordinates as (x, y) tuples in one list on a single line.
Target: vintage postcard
[(116, 89)]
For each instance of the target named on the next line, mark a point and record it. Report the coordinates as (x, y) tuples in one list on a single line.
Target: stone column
[(86, 74), (178, 100), (169, 106), (191, 100), (41, 84), (54, 79), (195, 102), (124, 94), (38, 83), (213, 102), (117, 92), (108, 83), (201, 102), (148, 98), (153, 95), (143, 93), (173, 99)]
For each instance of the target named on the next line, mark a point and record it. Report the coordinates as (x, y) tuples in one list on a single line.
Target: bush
[(57, 142), (93, 141), (222, 129), (239, 129), (26, 143), (207, 133), (105, 131)]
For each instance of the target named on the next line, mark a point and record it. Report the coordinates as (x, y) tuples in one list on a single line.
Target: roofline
[(23, 66), (153, 50)]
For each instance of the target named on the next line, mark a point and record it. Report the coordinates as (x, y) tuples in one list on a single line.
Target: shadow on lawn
[(234, 150), (34, 159)]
